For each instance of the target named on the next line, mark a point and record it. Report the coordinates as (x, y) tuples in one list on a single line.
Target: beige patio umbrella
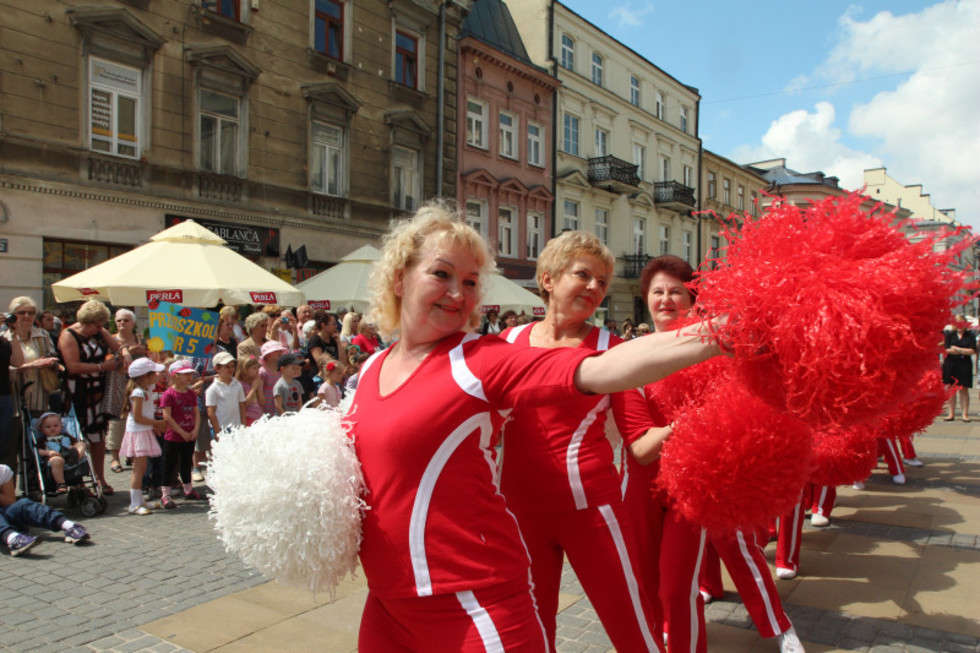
[(184, 264), (502, 295), (345, 284)]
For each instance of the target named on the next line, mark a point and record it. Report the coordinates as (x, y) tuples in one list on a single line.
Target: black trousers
[(177, 454)]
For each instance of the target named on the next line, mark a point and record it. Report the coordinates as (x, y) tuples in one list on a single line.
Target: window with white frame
[(689, 176), (406, 182), (570, 140), (476, 215), (115, 93), (508, 135), (726, 191), (535, 234), (507, 231), (327, 170), (664, 168), (634, 90), (570, 220), (687, 246), (602, 225), (740, 197), (220, 124), (535, 147), (712, 185), (476, 123), (639, 157), (664, 239), (567, 52), (684, 111), (407, 57), (661, 107), (601, 142), (639, 235), (597, 68)]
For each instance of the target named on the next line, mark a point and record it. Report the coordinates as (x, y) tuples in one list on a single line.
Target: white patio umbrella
[(502, 295), (345, 284), (185, 264)]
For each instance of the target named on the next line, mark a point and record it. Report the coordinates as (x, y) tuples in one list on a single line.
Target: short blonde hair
[(228, 311), (254, 320), (18, 302), (92, 312), (400, 251), (560, 250)]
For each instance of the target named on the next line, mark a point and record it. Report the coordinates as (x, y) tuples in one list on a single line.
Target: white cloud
[(810, 142), (629, 16), (924, 130)]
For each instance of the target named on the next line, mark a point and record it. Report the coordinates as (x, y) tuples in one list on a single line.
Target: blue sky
[(829, 86)]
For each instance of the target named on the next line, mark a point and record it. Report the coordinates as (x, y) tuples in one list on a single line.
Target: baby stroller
[(84, 492)]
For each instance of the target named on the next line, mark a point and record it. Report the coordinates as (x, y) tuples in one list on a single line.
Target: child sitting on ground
[(17, 515), (57, 448), (288, 392), (330, 391)]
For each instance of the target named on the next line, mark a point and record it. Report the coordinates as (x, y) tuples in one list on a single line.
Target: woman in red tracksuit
[(444, 559), (557, 470), (683, 544)]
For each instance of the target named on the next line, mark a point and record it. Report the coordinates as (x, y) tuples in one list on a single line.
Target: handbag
[(50, 381)]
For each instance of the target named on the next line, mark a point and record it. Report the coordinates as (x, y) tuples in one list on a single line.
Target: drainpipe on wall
[(697, 200), (440, 101), (554, 120)]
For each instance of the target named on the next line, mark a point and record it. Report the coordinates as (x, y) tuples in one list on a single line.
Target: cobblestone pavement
[(96, 597)]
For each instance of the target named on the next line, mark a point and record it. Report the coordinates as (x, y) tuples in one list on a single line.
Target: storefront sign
[(247, 240), (183, 330)]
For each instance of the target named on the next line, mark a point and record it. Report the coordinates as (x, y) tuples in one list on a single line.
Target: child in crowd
[(139, 441), (17, 515), (180, 412), (288, 391), (248, 376), (354, 371), (153, 477), (330, 391), (55, 447), (271, 352), (225, 397)]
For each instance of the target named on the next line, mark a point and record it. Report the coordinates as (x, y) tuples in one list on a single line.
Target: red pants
[(681, 549), (601, 547), (888, 448), (821, 499), (908, 451), (746, 564), (490, 620)]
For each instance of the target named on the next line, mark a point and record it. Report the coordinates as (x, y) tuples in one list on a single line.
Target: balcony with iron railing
[(673, 195), (633, 265), (613, 174)]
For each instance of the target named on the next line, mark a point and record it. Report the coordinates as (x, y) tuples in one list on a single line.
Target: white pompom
[(287, 497)]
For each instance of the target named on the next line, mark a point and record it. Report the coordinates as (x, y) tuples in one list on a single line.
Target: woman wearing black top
[(10, 354), (226, 337), (960, 344)]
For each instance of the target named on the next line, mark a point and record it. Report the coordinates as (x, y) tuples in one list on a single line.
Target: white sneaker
[(789, 642), (153, 505), (197, 476), (785, 574), (816, 519), (707, 598), (858, 485), (913, 462), (898, 479), (139, 510)]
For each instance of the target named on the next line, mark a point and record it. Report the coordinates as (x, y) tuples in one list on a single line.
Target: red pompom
[(844, 455), (832, 309), (925, 403), (689, 386), (733, 461)]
